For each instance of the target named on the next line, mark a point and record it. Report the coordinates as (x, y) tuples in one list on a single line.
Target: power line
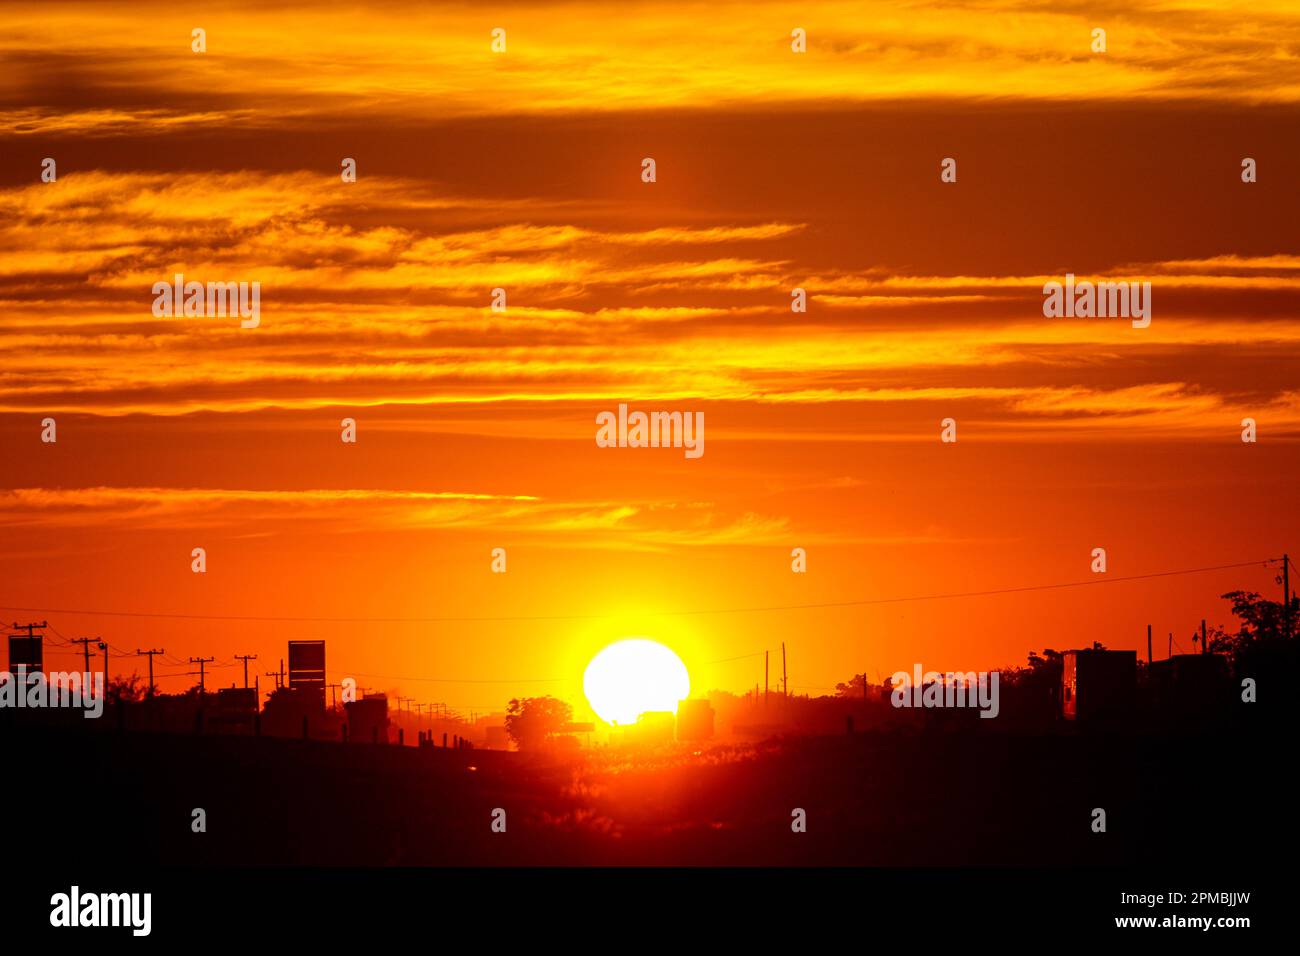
[(863, 602), (551, 680)]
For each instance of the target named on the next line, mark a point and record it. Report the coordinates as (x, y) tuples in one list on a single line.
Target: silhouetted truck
[(368, 719), (694, 720), (1098, 685), (1191, 687)]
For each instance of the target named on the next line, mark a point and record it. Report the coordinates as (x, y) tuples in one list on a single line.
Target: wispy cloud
[(130, 73), (629, 525), (371, 315)]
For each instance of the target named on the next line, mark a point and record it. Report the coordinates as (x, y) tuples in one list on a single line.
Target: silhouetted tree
[(1262, 622), (1032, 693), (126, 689), (855, 688), (533, 721), (1044, 669)]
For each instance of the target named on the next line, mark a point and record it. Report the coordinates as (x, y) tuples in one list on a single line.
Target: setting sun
[(633, 677)]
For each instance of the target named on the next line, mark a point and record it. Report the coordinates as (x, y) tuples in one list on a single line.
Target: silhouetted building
[(1190, 687), (368, 719), (234, 710), (1272, 667), (307, 669), (694, 720), (288, 707), (1098, 685), (653, 728)]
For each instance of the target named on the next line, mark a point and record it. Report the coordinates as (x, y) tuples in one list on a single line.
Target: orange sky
[(521, 170)]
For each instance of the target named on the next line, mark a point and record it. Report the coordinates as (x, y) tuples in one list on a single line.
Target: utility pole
[(245, 658), (85, 647), (766, 655), (1286, 594), (1205, 648), (333, 698), (29, 628), (1170, 650), (276, 675), (150, 654), (201, 661), (34, 655), (785, 678), (104, 647), (1148, 645)]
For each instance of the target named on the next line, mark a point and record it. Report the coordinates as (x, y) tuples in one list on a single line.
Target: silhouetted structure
[(26, 652), (307, 670), (653, 728), (1098, 685), (1193, 688), (1272, 665), (234, 710), (694, 720), (368, 719), (289, 709)]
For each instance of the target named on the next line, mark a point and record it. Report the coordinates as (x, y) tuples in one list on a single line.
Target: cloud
[(120, 73), (624, 525), (393, 311)]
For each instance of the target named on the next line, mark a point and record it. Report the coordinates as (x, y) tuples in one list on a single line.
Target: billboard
[(307, 667), (26, 652)]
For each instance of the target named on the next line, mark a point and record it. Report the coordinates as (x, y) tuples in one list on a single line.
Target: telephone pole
[(785, 678), (103, 646), (201, 661), (276, 675), (35, 651), (150, 653), (85, 647), (1286, 594), (31, 631), (245, 658), (766, 655)]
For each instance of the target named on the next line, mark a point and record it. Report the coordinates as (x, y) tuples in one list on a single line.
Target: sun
[(632, 677)]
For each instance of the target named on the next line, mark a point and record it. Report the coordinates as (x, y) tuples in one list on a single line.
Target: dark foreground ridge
[(887, 798)]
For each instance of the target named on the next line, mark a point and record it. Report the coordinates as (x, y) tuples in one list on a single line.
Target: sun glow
[(632, 677)]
